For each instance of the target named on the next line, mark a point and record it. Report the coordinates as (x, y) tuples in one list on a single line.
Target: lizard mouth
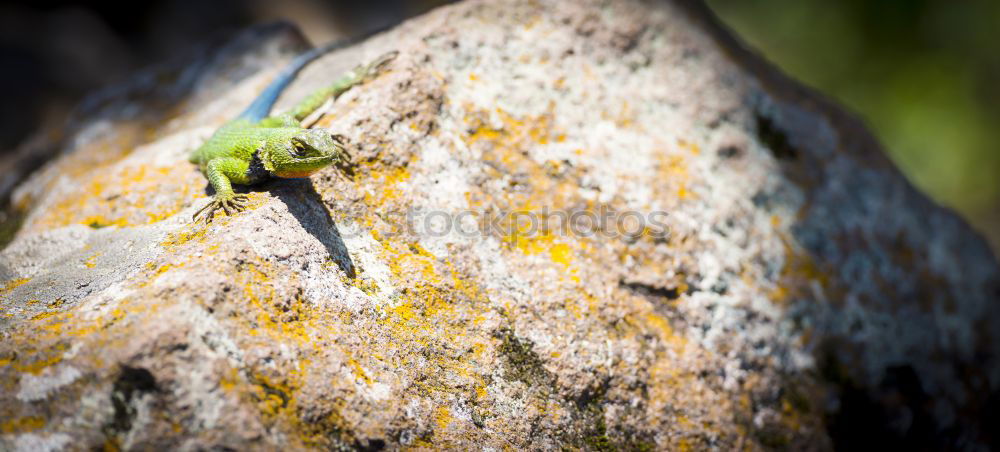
[(294, 174), (304, 167)]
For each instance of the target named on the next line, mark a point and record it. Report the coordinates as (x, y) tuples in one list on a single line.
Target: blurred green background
[(925, 75)]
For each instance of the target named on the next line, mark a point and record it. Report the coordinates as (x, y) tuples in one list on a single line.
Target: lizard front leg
[(220, 172)]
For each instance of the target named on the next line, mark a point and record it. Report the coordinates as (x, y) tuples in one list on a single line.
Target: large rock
[(791, 289)]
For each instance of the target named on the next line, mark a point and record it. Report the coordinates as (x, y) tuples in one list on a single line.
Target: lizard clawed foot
[(230, 203)]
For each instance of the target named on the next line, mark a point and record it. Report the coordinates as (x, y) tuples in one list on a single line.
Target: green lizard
[(256, 147)]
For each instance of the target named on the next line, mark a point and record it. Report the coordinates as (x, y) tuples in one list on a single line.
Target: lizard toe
[(210, 207)]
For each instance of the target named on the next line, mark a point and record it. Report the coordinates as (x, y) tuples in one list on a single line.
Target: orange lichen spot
[(272, 396), (103, 151), (790, 417), (485, 133), (124, 196), (473, 77), (117, 314), (683, 421), (358, 371), (673, 165), (573, 307), (672, 169), (625, 117), (366, 285), (436, 302), (591, 301), (442, 417), (275, 399), (230, 380), (13, 284), (163, 268), (36, 366), (561, 253), (44, 315), (194, 232), (404, 311), (91, 261), (267, 315), (798, 276), (514, 131), (664, 330), (388, 182), (154, 272), (53, 332), (689, 146), (682, 192), (22, 424), (528, 225), (780, 294), (99, 221), (464, 286)]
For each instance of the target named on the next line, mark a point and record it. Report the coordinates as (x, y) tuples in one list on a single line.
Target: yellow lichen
[(673, 171), (22, 424), (13, 284), (194, 232), (664, 330), (124, 196), (443, 418), (799, 273), (91, 261), (528, 227), (389, 181), (39, 363), (358, 371), (44, 315)]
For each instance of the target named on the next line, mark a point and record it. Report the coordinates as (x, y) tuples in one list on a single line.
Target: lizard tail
[(261, 106)]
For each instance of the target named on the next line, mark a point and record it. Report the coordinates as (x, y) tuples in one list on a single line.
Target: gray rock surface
[(794, 292)]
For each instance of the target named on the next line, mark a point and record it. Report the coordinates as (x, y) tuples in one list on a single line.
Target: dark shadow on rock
[(306, 205)]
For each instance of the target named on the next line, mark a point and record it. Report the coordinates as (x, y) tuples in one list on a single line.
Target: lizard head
[(305, 153)]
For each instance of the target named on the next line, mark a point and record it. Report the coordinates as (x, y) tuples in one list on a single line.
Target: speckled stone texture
[(805, 296)]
